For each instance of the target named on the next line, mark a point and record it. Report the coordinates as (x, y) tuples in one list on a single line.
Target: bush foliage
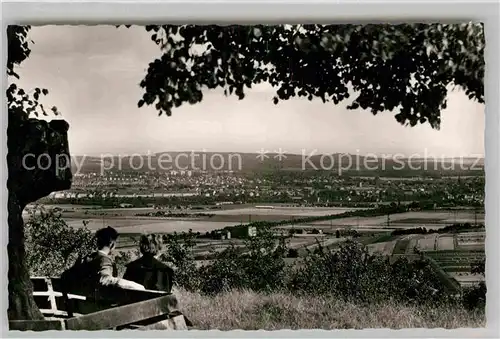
[(347, 273), (52, 246)]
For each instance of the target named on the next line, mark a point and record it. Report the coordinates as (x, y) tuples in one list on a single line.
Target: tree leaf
[(377, 60)]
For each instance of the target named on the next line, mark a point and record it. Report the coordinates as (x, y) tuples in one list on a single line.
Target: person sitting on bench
[(97, 270), (147, 270)]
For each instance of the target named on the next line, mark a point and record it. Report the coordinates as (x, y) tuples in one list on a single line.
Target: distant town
[(141, 188)]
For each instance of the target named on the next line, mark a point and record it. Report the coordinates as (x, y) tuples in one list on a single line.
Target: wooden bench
[(124, 309)]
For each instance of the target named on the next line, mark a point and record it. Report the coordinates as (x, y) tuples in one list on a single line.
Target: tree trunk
[(22, 305), (28, 182)]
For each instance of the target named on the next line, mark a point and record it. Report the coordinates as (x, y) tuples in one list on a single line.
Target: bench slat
[(123, 315), (58, 294)]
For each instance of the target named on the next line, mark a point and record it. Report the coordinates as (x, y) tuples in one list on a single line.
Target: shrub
[(352, 274), (478, 267), (51, 245), (178, 252), (260, 268), (475, 297), (121, 259)]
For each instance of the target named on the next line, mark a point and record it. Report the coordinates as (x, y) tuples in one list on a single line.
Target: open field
[(127, 221), (466, 278), (285, 211), (411, 245), (446, 243), (243, 209), (401, 246), (382, 248), (230, 215), (139, 225), (454, 260), (246, 310), (427, 219), (427, 242), (457, 263), (325, 242), (470, 240)]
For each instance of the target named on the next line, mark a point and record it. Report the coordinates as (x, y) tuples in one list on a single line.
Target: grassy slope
[(248, 310)]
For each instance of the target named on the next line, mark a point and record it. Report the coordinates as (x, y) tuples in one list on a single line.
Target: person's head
[(150, 244), (106, 238)]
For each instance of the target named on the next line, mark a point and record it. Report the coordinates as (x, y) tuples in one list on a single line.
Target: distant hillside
[(253, 162)]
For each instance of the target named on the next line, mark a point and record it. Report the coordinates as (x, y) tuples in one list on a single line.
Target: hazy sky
[(93, 73)]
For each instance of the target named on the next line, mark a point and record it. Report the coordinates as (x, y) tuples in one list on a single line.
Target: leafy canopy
[(404, 68), (20, 102)]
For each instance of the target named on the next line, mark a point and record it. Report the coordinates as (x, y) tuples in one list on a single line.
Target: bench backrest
[(120, 310)]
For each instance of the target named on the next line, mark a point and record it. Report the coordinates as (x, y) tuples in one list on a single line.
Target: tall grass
[(249, 310)]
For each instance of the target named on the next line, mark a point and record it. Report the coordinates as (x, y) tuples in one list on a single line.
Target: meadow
[(129, 221), (428, 219), (284, 211), (143, 225), (139, 220), (249, 310)]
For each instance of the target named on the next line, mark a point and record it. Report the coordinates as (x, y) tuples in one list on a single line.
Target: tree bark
[(22, 305), (27, 184)]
